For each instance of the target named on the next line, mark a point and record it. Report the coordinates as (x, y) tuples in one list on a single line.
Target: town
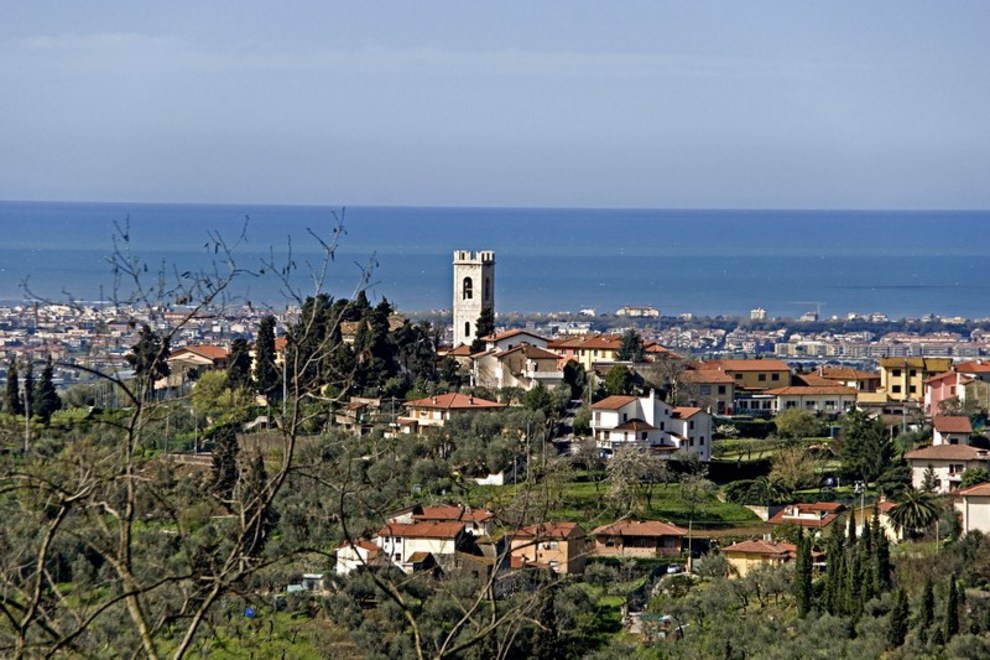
[(603, 480)]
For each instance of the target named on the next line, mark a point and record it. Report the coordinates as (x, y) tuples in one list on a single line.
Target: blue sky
[(646, 104)]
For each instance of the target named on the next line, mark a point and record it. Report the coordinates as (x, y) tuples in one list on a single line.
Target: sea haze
[(704, 262)]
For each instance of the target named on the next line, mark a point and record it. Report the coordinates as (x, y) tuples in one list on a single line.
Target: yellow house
[(904, 378), (560, 546), (750, 555), (754, 375)]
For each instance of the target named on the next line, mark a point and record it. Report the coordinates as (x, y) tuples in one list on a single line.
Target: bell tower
[(474, 289)]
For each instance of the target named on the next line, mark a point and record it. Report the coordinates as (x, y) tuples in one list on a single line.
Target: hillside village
[(598, 456)]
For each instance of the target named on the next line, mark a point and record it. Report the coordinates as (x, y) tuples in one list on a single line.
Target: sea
[(905, 264)]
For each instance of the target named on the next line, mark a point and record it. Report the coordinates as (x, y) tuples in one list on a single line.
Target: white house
[(951, 430), (360, 553), (406, 544), (509, 339), (973, 505), (647, 421), (833, 399), (524, 366), (948, 462)]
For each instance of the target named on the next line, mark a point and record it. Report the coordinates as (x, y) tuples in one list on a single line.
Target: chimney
[(434, 400), (471, 399)]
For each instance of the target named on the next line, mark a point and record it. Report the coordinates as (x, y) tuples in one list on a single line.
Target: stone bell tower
[(474, 289)]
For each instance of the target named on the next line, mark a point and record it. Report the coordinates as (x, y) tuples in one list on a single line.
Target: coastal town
[(659, 453)]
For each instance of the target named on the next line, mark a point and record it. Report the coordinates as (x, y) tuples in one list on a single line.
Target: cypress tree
[(836, 570), (484, 326), (851, 529), (266, 377), (223, 474), (257, 516), (898, 624), (46, 401), (239, 367), (926, 613), (802, 575), (29, 408), (952, 610), (149, 359), (12, 401), (882, 568)]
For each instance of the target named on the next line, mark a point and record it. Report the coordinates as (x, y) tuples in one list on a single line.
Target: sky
[(700, 104)]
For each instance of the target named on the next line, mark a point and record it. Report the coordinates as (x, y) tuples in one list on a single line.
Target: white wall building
[(650, 423)]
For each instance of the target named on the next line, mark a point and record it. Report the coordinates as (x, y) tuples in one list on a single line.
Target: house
[(561, 547), (973, 507), (360, 553), (828, 399), (524, 365), (812, 516), (951, 430), (709, 389), (357, 415), (636, 311), (190, 362), (435, 410), (638, 538), (588, 350), (509, 339), (859, 380), (753, 375), (947, 463), (903, 378), (648, 422), (748, 556), (944, 387), (407, 544), (865, 514), (477, 522)]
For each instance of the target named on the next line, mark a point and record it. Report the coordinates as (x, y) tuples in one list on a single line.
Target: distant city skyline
[(579, 104)]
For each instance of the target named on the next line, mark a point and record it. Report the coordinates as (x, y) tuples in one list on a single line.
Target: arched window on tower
[(488, 289), (468, 288), (467, 328)]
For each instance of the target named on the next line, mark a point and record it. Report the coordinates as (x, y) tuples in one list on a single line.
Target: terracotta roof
[(509, 334), (418, 557), (530, 351), (454, 401), (451, 512), (551, 530), (773, 549), (364, 544), (427, 529), (805, 390), (599, 342), (463, 350), (209, 352), (926, 364), (847, 373), (814, 514), (974, 367), (614, 402), (639, 528), (685, 412), (947, 453), (813, 380), (748, 365), (979, 490), (945, 375), (952, 424), (635, 425), (707, 376)]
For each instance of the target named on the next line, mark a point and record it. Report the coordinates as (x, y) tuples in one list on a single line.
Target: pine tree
[(239, 366), (631, 348), (13, 403), (266, 377), (45, 397), (952, 610), (898, 623)]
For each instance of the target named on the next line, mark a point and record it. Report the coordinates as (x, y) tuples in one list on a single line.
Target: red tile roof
[(509, 334), (463, 350), (979, 490), (748, 365), (952, 424), (209, 352), (594, 342), (454, 401), (451, 512), (635, 425), (948, 453), (980, 367), (847, 373), (426, 530), (550, 530), (639, 528), (614, 402), (685, 412), (772, 549), (706, 376), (530, 351), (815, 514), (807, 390)]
